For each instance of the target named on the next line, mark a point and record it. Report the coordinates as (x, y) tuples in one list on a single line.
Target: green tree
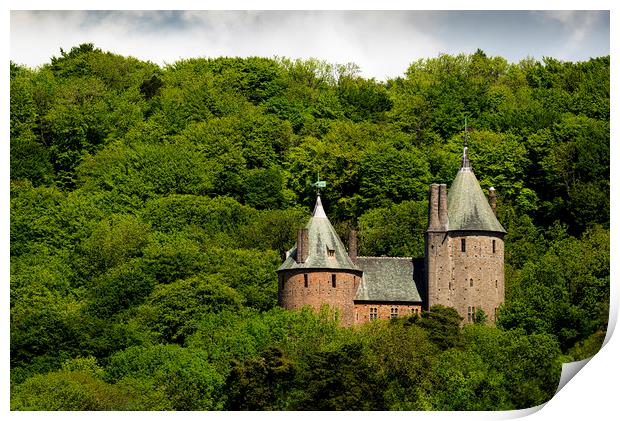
[(341, 379), (260, 383), (132, 174), (112, 242), (121, 287), (442, 324), (174, 309), (397, 230), (83, 391), (187, 380)]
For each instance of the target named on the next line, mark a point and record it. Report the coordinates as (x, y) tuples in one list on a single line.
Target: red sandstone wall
[(294, 295), (384, 311)]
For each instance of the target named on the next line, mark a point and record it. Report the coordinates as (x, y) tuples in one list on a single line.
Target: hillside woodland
[(151, 205)]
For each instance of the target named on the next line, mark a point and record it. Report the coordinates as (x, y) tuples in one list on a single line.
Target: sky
[(382, 43)]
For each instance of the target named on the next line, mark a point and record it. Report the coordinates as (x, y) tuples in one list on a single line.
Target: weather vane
[(320, 184)]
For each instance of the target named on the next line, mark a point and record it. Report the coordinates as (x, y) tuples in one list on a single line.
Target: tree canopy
[(151, 205)]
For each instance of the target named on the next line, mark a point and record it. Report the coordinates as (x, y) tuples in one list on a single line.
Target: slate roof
[(321, 238), (468, 208), (387, 279)]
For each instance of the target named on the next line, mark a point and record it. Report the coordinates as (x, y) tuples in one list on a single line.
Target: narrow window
[(333, 280), (450, 286), (495, 314), (373, 313), (496, 283), (305, 280), (463, 245), (493, 246), (394, 313), (471, 282), (469, 313)]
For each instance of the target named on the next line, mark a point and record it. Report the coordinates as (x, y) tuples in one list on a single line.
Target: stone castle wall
[(438, 261), (383, 311), (466, 280), (477, 278), (294, 294)]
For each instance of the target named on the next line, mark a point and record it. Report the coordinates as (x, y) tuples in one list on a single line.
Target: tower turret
[(319, 270), (465, 260)]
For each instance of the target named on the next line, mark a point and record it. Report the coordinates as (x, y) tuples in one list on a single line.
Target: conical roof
[(325, 250), (468, 208)]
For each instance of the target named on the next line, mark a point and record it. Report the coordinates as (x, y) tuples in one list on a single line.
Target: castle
[(463, 266)]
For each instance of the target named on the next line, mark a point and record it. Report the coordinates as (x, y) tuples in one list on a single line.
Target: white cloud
[(577, 26), (382, 43), (578, 22)]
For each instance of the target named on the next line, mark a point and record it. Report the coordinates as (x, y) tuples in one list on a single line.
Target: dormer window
[(331, 253)]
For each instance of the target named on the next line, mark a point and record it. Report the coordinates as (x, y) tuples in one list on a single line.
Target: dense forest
[(151, 205)]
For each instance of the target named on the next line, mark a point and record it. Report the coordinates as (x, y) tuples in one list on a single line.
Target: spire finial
[(318, 208), (465, 166), (319, 212)]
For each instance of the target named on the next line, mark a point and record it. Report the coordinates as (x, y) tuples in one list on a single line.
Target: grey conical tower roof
[(468, 208), (321, 238)]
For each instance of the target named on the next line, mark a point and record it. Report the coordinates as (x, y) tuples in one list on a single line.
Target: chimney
[(443, 207), (302, 245), (433, 207), (353, 244), (493, 200)]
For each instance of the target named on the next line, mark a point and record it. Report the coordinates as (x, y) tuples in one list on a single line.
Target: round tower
[(464, 248), (318, 270)]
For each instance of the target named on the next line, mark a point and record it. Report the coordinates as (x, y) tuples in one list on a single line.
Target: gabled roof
[(321, 238), (387, 279), (468, 208)]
